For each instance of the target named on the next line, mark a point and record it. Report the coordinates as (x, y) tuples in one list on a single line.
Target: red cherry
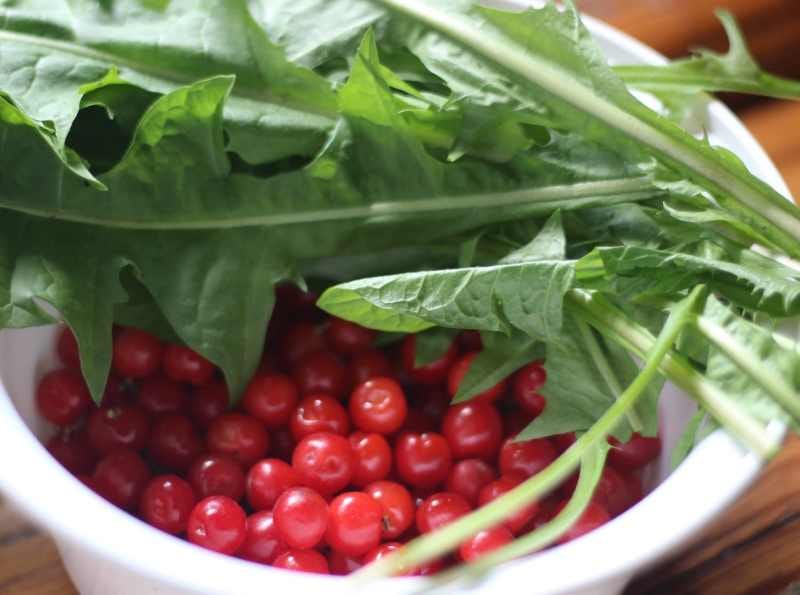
[(378, 405), (593, 517), (262, 544), (354, 524), (182, 364), (396, 505), (373, 458), (423, 460), (73, 451), (301, 517), (432, 373), (267, 480), (159, 395), (473, 429), (385, 549), (525, 388), (121, 477), (526, 458), (342, 565), (517, 521), (62, 397), (634, 454), (116, 392), (217, 475), (460, 369), (318, 413), (616, 492), (67, 348), (439, 510), (271, 398), (321, 372), (174, 443), (468, 477), (110, 428), (367, 364), (470, 340), (208, 403), (324, 462), (563, 441), (136, 354), (302, 561), (347, 337), (218, 524), (484, 542), (239, 436), (166, 503), (300, 340)]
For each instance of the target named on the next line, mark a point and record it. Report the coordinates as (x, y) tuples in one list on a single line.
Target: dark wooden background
[(754, 549)]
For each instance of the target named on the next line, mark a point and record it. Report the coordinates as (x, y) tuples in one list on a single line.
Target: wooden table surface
[(754, 548)]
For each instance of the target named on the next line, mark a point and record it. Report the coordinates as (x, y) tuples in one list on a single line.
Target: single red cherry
[(120, 477), (423, 460), (348, 337), (73, 451), (367, 364), (300, 340), (302, 561), (635, 453), (517, 521), (378, 405), (62, 397), (341, 565), (526, 458), (525, 387), (468, 477), (460, 369), (186, 365), (217, 475), (373, 458), (262, 544), (354, 524), (166, 503), (159, 394), (271, 398), (239, 436), (136, 354), (267, 480), (324, 462), (473, 429), (208, 403), (321, 372), (67, 348), (439, 510), (219, 524), (301, 517), (318, 413), (431, 373), (396, 505), (484, 542), (593, 517), (110, 428), (174, 442)]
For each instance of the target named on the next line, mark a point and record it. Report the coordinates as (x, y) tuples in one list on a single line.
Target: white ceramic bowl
[(110, 553)]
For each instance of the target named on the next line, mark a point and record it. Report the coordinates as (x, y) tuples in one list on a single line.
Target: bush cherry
[(185, 365), (468, 477), (354, 524), (525, 387), (396, 505), (136, 354), (218, 523), (303, 561), (378, 405), (239, 436), (62, 397), (473, 429), (318, 413), (301, 517), (271, 398), (431, 373), (460, 369), (440, 509), (262, 543), (423, 460), (166, 503), (347, 337), (373, 458), (217, 475), (324, 462), (267, 480)]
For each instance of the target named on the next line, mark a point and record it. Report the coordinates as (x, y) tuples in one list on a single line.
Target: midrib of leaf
[(172, 77), (557, 196), (648, 78)]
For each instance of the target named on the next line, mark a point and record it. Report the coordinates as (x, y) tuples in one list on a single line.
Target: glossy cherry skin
[(300, 340), (166, 503), (174, 442), (182, 364), (120, 477), (367, 364), (110, 428), (473, 429), (319, 413), (383, 550), (62, 397), (354, 524), (321, 372), (324, 462), (342, 565), (526, 458), (217, 475), (271, 398), (136, 354), (616, 492), (396, 505), (468, 478), (525, 387), (378, 405), (373, 458), (634, 454), (431, 373), (301, 517), (593, 517), (563, 441), (219, 524), (423, 460), (267, 480), (459, 370), (484, 542), (517, 521), (302, 561), (239, 436), (208, 403), (440, 509), (262, 544), (73, 451), (348, 337), (67, 348), (160, 394)]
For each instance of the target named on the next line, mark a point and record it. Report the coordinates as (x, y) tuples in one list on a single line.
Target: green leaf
[(699, 427), (549, 244), (432, 344)]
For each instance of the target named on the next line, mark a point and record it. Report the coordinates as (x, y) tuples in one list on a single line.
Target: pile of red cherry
[(337, 453)]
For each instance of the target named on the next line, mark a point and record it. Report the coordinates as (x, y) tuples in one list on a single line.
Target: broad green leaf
[(549, 244), (432, 344)]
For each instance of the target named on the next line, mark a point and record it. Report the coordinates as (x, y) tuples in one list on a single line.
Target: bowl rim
[(718, 470)]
